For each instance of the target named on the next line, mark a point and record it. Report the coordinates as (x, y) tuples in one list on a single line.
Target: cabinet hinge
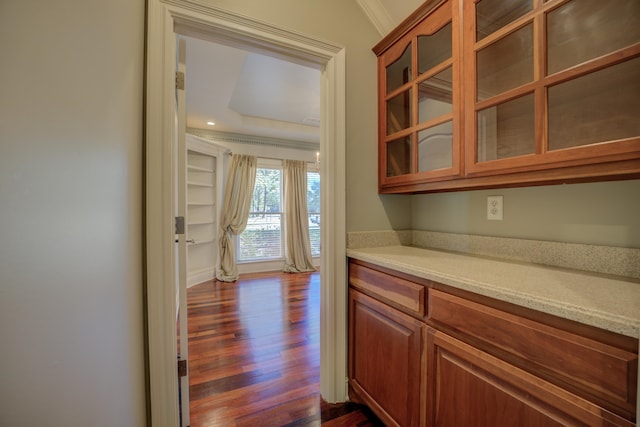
[(179, 225), (179, 80), (182, 368)]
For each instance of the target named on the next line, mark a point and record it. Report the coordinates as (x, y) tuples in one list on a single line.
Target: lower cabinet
[(385, 359), (462, 363), (468, 387)]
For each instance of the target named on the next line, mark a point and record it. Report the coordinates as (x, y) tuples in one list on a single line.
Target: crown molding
[(378, 15), (237, 138), (264, 39)]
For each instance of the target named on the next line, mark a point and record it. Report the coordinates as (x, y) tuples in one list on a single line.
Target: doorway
[(165, 20)]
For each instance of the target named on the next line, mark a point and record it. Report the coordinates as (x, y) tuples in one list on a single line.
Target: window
[(262, 239), (313, 206)]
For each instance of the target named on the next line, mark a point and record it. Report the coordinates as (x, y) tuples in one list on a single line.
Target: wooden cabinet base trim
[(613, 171)]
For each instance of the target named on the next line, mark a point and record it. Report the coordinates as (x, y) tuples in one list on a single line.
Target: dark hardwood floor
[(254, 355)]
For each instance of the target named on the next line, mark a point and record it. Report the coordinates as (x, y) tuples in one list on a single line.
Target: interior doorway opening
[(196, 20)]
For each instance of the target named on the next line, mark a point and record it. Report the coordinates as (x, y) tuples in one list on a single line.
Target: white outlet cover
[(495, 208)]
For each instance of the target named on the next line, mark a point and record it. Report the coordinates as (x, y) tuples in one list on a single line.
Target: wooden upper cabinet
[(490, 93), (420, 106)]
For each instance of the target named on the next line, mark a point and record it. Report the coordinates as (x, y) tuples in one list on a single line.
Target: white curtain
[(235, 211), (296, 218)]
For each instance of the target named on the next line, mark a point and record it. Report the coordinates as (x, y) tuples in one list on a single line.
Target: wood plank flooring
[(254, 355)]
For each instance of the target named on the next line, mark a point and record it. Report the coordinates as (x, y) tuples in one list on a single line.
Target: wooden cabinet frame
[(604, 161), (450, 342)]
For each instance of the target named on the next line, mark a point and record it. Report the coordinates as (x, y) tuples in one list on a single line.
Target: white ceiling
[(253, 94)]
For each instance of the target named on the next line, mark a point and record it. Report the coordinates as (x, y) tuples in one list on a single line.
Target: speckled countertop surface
[(609, 303)]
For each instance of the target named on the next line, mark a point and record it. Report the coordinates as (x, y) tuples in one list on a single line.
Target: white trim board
[(195, 18)]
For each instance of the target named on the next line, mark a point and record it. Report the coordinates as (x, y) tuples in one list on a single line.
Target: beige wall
[(343, 22), (71, 293), (605, 213)]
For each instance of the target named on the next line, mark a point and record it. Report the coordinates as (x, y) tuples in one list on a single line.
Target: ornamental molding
[(237, 138)]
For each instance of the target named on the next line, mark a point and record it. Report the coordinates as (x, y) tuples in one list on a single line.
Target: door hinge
[(179, 80), (182, 368), (179, 225)]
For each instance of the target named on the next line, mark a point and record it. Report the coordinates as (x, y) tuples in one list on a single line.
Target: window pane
[(491, 15), (435, 97), (598, 107), (399, 72), (506, 64), (314, 234), (582, 30), (266, 192), (262, 239), (434, 49), (313, 192), (435, 147), (313, 205), (507, 130), (399, 156), (399, 112)]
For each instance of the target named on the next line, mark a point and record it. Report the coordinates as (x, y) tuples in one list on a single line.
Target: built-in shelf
[(199, 169), (201, 213), (200, 184)]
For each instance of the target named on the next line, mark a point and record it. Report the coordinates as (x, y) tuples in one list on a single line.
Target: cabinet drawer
[(591, 368), (400, 292)]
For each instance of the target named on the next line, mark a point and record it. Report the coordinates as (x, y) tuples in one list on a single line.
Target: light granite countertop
[(608, 302)]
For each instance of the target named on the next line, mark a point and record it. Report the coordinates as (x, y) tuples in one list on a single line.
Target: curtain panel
[(296, 218), (235, 211)]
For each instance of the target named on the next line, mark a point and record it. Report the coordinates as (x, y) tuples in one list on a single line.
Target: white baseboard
[(200, 276), (267, 266)]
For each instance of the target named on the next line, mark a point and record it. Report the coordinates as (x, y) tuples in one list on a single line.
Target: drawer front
[(594, 369), (403, 293)]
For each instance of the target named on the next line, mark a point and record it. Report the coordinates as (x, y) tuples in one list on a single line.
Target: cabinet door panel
[(403, 293), (598, 107), (399, 72), (593, 369), (582, 30), (385, 359), (468, 387)]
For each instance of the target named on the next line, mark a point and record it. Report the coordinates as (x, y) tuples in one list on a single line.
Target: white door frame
[(192, 17)]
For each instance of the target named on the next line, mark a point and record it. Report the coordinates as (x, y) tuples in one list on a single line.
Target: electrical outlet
[(494, 208)]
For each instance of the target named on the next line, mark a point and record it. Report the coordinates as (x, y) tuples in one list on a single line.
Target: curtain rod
[(230, 153)]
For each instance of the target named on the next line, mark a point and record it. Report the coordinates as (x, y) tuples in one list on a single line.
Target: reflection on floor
[(254, 355)]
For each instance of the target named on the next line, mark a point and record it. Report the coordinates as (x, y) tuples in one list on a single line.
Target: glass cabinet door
[(418, 106), (550, 77)]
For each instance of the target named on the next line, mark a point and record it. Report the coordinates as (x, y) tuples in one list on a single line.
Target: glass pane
[(399, 112), (598, 107), (506, 64), (262, 238), (399, 157), (314, 234), (266, 191), (399, 72), (313, 192), (313, 206), (434, 49), (491, 15), (585, 29), (435, 147), (507, 129), (434, 96)]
